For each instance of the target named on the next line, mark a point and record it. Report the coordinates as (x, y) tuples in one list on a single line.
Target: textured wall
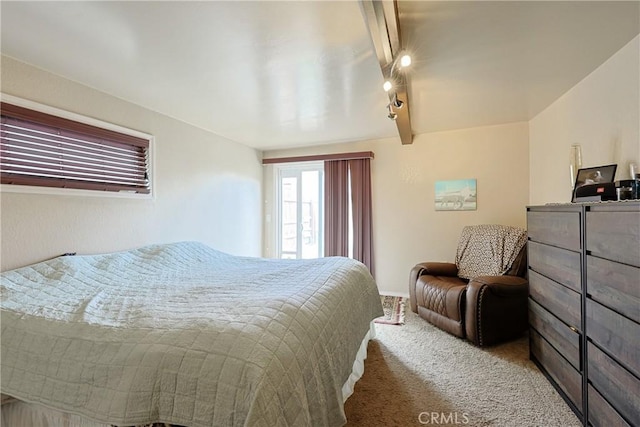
[(407, 229), (601, 113), (207, 188)]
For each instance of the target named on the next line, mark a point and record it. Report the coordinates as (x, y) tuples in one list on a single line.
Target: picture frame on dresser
[(593, 176)]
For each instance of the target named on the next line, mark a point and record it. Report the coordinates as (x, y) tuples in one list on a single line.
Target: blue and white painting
[(457, 195)]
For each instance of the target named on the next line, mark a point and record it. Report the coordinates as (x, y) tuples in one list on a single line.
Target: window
[(44, 150)]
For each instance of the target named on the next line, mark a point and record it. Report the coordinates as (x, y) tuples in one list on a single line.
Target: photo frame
[(594, 175), (456, 195)]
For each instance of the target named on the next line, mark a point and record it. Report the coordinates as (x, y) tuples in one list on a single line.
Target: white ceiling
[(274, 74)]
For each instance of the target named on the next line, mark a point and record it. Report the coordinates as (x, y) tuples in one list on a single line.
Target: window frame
[(51, 190)]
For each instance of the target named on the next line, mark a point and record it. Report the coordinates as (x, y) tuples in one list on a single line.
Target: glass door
[(300, 211)]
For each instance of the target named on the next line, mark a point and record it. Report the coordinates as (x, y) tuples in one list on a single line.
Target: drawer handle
[(573, 328)]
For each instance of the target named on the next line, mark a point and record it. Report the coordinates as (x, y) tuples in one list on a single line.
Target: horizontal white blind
[(43, 150)]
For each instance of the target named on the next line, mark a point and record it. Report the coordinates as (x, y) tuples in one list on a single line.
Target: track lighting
[(405, 60), (396, 102), (392, 114), (402, 61)]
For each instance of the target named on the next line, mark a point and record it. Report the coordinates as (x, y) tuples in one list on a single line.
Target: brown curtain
[(337, 174), (361, 210), (336, 208)]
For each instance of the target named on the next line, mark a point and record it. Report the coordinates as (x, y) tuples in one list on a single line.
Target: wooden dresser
[(584, 306)]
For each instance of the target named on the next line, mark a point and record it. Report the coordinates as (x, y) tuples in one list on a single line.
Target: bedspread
[(185, 334)]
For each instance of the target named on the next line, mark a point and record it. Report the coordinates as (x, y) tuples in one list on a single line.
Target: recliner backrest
[(489, 250), (519, 266)]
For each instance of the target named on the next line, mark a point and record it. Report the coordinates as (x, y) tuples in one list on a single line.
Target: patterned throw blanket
[(186, 335), (488, 250)]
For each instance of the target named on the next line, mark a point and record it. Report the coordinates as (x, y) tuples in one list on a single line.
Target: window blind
[(44, 150)]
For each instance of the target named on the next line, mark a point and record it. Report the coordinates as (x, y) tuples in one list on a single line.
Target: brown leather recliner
[(483, 296)]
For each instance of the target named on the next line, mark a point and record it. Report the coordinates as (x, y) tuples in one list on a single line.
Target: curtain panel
[(360, 171), (336, 205), (339, 175)]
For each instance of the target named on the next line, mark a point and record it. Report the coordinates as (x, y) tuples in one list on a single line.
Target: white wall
[(407, 229), (207, 188), (601, 113)]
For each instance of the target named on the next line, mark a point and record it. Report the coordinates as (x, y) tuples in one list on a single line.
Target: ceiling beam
[(381, 18)]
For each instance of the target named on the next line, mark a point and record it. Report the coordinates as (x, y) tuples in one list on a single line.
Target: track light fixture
[(402, 61), (392, 114), (405, 60), (396, 102)]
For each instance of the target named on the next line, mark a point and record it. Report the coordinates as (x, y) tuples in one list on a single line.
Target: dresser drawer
[(614, 285), (559, 300), (561, 265), (555, 228), (564, 375), (601, 414), (616, 333), (561, 337), (614, 235), (615, 384)]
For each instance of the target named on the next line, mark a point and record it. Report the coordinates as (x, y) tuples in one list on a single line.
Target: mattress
[(187, 335)]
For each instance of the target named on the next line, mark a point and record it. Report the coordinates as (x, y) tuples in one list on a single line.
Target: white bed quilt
[(187, 335)]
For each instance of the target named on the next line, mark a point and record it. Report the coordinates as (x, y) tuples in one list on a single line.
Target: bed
[(186, 335)]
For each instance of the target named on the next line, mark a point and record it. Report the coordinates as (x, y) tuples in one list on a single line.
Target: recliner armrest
[(496, 309), (505, 286), (431, 268), (436, 269)]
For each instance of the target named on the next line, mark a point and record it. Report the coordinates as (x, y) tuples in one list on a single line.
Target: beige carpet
[(416, 374)]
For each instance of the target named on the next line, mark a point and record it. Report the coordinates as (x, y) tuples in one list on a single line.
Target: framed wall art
[(456, 195)]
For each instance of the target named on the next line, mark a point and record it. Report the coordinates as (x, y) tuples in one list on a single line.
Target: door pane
[(300, 216), (310, 214), (289, 215)]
